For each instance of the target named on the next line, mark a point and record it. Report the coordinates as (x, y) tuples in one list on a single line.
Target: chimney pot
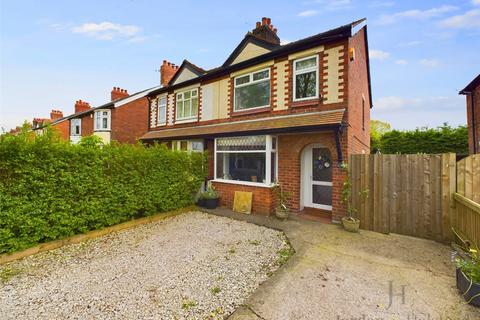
[(269, 21), (258, 24), (264, 21)]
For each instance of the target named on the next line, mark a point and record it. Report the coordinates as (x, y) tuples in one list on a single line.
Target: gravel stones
[(192, 266)]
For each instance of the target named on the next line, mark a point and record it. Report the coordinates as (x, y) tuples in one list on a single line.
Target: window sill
[(252, 111), (245, 183), (186, 120), (101, 130), (307, 103)]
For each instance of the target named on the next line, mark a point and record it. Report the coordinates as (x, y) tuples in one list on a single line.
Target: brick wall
[(477, 120), (263, 201), (358, 116), (130, 121), (63, 128)]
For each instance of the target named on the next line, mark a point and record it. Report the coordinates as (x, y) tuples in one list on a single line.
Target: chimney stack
[(167, 71), (118, 93), (81, 106), (266, 31), (56, 114)]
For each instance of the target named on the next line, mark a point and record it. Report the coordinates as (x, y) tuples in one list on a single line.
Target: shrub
[(426, 140), (50, 189)]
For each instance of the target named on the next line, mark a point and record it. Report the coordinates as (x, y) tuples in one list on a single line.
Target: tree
[(377, 130)]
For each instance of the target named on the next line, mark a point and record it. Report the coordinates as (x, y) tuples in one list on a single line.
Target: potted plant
[(281, 197), (209, 198), (467, 263), (350, 223)]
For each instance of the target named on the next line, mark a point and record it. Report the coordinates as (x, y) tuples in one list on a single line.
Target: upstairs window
[(305, 78), (76, 127), (102, 120), (187, 105), (252, 90), (162, 111)]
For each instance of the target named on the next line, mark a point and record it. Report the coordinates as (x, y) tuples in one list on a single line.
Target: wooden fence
[(467, 198), (407, 194)]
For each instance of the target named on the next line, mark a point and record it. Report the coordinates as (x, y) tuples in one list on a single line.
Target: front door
[(317, 178)]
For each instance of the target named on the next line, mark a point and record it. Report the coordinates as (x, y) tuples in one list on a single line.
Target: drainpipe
[(339, 147)]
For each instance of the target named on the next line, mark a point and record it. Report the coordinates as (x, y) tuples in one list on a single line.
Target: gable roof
[(249, 38), (339, 33), (474, 83), (189, 66)]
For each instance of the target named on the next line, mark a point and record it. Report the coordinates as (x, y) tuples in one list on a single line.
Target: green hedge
[(440, 140), (51, 189)]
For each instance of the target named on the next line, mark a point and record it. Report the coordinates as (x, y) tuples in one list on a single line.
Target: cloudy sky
[(55, 52)]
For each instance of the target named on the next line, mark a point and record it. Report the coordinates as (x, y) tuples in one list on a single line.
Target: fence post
[(449, 175)]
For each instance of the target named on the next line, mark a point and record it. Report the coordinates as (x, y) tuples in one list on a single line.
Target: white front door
[(317, 177)]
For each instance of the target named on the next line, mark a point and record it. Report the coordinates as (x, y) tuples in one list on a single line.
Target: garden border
[(9, 257)]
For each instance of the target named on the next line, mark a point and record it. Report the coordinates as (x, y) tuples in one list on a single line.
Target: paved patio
[(339, 275)]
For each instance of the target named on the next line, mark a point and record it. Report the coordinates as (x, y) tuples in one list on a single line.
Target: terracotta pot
[(351, 225), (281, 213)]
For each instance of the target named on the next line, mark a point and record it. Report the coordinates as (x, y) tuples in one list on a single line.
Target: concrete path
[(343, 276)]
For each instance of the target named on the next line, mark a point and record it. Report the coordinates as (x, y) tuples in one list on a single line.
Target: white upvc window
[(162, 111), (250, 160), (187, 105), (252, 90), (76, 127), (102, 120), (305, 78), (188, 145)]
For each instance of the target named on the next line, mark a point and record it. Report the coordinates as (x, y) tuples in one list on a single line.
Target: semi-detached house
[(272, 113)]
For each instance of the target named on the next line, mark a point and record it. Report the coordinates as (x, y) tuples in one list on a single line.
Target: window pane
[(305, 85), (252, 96), (273, 168), (260, 75), (321, 165), (179, 96), (77, 129), (241, 166), (247, 143), (162, 101), (186, 109), (162, 114), (304, 64), (194, 106), (186, 95), (105, 113), (194, 93), (183, 145), (242, 80), (179, 109), (322, 195), (104, 123)]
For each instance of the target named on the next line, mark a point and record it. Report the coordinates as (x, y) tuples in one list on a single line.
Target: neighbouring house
[(270, 113), (472, 93), (55, 115), (123, 119)]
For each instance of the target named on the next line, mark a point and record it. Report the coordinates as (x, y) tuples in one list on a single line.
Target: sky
[(53, 53)]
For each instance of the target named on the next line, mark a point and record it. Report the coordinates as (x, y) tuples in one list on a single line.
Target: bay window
[(305, 78), (162, 111), (247, 160), (252, 90), (187, 105), (102, 120)]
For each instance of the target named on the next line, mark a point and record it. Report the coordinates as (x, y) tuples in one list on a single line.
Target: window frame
[(162, 123), (98, 126), (296, 72), (251, 81), (269, 151), (77, 121), (191, 118)]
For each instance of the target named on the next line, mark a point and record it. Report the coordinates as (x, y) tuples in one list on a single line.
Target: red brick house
[(55, 116), (472, 93), (272, 113), (123, 119)]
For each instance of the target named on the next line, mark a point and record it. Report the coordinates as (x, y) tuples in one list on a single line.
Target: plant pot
[(468, 289), (351, 224), (281, 213), (209, 203), (201, 203)]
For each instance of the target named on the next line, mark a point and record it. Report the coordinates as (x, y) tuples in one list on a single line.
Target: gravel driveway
[(194, 265)]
